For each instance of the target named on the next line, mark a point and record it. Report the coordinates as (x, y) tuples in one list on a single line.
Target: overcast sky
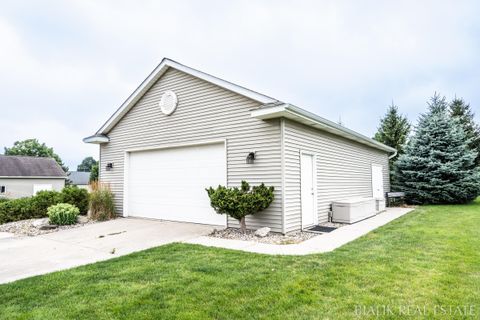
[(65, 66)]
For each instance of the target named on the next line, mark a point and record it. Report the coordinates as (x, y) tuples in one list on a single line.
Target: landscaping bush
[(16, 209), (63, 214), (37, 206), (77, 197), (238, 203), (42, 201), (101, 202), (3, 199)]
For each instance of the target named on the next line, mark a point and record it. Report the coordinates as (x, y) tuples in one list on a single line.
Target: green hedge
[(77, 197), (36, 206)]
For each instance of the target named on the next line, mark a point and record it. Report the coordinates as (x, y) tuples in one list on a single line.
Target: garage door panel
[(170, 183)]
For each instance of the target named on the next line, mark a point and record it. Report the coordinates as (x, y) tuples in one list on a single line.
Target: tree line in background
[(33, 148), (89, 165), (440, 161)]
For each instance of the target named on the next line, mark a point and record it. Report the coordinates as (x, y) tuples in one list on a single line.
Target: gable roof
[(79, 177), (158, 72), (24, 167), (270, 107)]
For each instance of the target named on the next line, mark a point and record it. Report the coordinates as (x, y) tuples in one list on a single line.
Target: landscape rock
[(82, 219), (262, 232), (40, 222)]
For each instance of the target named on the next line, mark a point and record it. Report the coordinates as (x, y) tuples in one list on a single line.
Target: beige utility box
[(353, 210), (380, 205)]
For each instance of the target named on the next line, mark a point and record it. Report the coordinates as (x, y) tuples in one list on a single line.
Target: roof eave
[(299, 115), (97, 139)]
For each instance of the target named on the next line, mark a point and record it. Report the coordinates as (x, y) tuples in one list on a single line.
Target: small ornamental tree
[(437, 166), (240, 202)]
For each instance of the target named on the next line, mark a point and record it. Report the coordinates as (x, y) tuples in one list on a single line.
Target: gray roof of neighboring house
[(23, 166), (79, 178)]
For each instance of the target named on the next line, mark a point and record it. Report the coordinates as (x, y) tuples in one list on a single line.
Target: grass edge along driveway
[(423, 265)]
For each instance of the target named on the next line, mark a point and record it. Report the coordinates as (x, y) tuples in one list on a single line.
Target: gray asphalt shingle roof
[(23, 166), (79, 178)]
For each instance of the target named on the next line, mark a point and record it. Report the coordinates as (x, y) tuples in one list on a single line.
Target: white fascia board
[(159, 71), (269, 112), (300, 115), (96, 139)]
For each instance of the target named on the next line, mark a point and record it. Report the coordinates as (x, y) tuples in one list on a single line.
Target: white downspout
[(393, 155)]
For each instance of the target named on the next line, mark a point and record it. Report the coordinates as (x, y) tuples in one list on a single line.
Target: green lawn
[(428, 258)]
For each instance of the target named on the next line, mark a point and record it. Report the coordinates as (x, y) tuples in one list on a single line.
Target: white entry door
[(307, 177), (377, 181), (169, 184)]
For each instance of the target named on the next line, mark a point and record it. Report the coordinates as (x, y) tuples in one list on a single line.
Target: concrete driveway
[(22, 257)]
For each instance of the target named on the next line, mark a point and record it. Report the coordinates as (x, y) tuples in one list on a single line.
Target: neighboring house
[(183, 130), (79, 179), (22, 176)]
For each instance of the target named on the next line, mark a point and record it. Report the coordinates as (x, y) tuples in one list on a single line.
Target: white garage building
[(183, 130)]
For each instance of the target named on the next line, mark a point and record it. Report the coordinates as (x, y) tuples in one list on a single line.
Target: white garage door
[(170, 184)]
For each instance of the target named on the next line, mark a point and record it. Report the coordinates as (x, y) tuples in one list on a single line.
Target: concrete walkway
[(22, 257), (322, 243)]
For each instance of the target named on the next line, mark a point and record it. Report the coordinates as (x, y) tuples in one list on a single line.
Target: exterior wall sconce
[(109, 166), (251, 157)]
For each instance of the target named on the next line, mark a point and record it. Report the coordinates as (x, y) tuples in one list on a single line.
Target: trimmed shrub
[(63, 214), (101, 202), (42, 201), (3, 199), (16, 209), (37, 206), (77, 197), (238, 203)]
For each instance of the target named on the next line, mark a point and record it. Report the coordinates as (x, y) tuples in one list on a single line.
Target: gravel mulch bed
[(271, 238), (28, 227)]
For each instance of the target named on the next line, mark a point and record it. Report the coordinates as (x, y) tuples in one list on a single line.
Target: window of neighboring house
[(3, 189)]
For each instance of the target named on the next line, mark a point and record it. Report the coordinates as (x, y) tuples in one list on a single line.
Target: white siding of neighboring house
[(343, 170), (23, 187), (205, 112)]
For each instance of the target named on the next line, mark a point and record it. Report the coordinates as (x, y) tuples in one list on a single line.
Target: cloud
[(71, 64)]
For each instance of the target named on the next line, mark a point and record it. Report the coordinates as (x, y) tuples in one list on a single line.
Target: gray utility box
[(353, 210)]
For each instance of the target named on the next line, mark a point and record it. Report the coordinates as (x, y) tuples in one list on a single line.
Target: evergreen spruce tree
[(461, 110), (393, 130), (437, 166)]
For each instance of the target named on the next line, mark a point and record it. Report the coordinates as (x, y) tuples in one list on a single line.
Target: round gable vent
[(168, 102)]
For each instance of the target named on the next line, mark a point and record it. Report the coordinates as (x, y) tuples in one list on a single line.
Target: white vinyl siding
[(344, 170), (205, 112)]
